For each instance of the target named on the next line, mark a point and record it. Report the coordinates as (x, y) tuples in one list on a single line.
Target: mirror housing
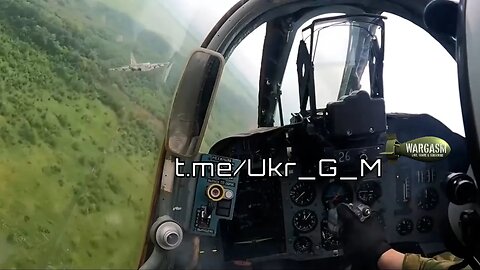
[(193, 101), (441, 16)]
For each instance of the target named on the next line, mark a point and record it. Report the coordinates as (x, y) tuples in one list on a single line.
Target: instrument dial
[(303, 244), (405, 226), (329, 240), (425, 224), (336, 193), (368, 192), (302, 194), (428, 199), (305, 220)]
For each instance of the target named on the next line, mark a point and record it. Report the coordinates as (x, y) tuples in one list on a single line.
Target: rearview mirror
[(192, 103), (441, 17)]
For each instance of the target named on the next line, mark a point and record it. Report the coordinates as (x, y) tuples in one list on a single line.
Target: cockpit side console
[(215, 194)]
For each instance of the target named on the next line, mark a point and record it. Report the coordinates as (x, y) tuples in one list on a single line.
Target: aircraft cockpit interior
[(275, 209), (240, 134)]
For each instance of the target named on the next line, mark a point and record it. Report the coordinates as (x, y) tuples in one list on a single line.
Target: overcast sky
[(419, 75)]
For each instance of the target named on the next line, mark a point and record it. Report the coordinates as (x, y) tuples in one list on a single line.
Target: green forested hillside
[(79, 144), (235, 94)]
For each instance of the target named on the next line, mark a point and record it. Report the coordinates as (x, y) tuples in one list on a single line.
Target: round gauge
[(303, 244), (328, 240), (425, 224), (378, 217), (405, 226), (302, 194), (368, 192), (305, 220), (428, 199), (336, 193)]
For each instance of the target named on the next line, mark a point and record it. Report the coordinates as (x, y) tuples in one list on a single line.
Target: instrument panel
[(326, 196), (412, 215), (285, 217)]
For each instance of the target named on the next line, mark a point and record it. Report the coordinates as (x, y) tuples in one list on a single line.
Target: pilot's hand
[(363, 243)]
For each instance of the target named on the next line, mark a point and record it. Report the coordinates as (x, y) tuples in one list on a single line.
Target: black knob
[(466, 190), (461, 189), (440, 16)]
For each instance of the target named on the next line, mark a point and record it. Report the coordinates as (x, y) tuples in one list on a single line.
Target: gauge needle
[(300, 196), (309, 214)]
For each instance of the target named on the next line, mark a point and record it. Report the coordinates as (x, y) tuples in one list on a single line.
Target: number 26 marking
[(344, 157)]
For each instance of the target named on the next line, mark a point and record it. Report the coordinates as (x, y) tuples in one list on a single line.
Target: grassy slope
[(79, 153), (80, 143)]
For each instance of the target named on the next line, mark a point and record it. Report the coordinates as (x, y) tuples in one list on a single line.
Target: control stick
[(363, 239), (360, 210)]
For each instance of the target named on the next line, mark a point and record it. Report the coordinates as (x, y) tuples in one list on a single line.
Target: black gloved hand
[(363, 243)]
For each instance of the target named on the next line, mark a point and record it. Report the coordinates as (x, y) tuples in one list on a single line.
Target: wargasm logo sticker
[(426, 149)]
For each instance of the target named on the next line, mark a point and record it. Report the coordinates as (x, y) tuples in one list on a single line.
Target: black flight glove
[(363, 243)]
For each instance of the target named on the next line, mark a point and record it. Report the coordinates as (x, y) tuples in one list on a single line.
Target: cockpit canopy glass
[(346, 54)]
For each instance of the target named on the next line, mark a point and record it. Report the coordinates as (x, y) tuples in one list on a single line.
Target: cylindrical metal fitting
[(169, 235)]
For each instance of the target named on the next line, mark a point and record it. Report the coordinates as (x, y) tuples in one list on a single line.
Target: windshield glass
[(342, 50)]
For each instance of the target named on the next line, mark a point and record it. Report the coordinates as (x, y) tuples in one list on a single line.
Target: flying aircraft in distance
[(134, 66)]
